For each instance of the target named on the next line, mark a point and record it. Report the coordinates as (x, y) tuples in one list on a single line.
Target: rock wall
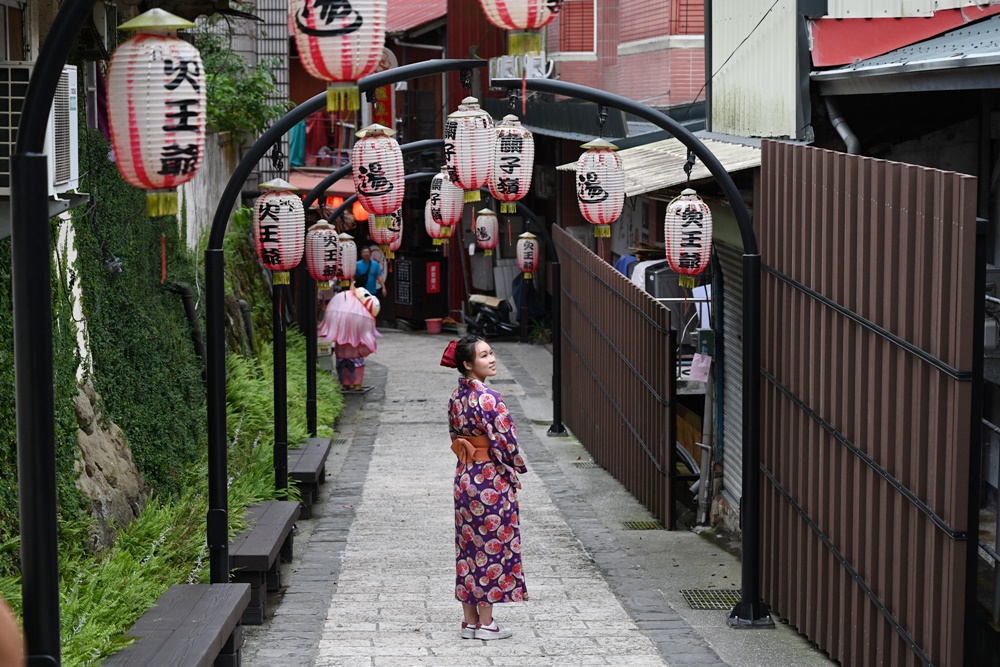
[(108, 475)]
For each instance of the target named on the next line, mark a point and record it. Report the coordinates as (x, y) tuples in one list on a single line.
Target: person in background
[(368, 273), (487, 527)]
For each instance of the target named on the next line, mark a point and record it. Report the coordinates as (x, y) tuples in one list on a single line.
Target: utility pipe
[(750, 612), (843, 129)]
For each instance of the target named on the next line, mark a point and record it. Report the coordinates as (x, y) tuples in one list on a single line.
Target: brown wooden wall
[(618, 370), (867, 381)]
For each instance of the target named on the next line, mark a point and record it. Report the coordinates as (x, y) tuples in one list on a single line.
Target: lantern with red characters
[(439, 233), (347, 259), (525, 18), (447, 200), (377, 163), (385, 236), (339, 42), (687, 231), (321, 253), (279, 229), (156, 108), (513, 161), (486, 231), (600, 185), (468, 147), (528, 251)]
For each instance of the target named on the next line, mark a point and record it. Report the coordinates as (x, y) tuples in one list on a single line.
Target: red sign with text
[(433, 277)]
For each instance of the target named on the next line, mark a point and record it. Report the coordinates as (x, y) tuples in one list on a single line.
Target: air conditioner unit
[(61, 137)]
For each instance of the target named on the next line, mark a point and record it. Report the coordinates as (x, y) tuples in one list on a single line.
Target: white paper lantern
[(524, 17), (600, 185), (156, 108), (377, 163), (339, 42), (439, 233), (279, 229), (447, 200), (347, 259), (468, 147), (687, 231), (528, 250), (487, 228), (386, 236), (321, 253), (513, 161)]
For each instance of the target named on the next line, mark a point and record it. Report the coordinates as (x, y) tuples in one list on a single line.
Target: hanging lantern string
[(465, 76), (277, 159), (689, 165), (512, 99), (602, 117)]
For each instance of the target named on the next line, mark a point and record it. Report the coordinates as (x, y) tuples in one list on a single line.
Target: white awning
[(660, 164)]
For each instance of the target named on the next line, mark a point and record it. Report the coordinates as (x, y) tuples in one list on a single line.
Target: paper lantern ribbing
[(468, 147), (385, 236), (687, 230), (513, 161), (347, 259), (524, 17), (321, 253), (527, 254), (339, 42), (447, 200), (279, 229), (156, 108), (600, 185), (377, 163), (439, 233), (487, 231)]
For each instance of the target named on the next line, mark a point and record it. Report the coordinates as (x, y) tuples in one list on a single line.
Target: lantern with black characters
[(377, 163), (525, 18), (687, 231), (279, 229), (600, 185), (468, 147), (321, 253), (527, 254), (513, 161), (487, 231)]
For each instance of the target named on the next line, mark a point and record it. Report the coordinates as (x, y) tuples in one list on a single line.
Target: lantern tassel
[(525, 43), (323, 285), (488, 252), (686, 281), (383, 222), (281, 278), (602, 231), (527, 276), (471, 196), (161, 202), (343, 97)]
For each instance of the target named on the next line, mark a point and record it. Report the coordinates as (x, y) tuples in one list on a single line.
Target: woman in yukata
[(487, 534)]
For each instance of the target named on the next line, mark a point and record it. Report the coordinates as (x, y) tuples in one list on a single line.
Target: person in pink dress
[(487, 529)]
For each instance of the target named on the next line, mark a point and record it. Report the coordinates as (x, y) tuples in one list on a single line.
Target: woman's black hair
[(465, 350)]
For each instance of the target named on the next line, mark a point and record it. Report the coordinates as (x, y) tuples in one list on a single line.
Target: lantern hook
[(370, 96), (689, 165), (465, 76), (277, 159), (512, 99), (602, 117)]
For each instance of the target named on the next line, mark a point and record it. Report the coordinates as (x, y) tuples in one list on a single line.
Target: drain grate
[(641, 525), (339, 442), (712, 599), (585, 464)]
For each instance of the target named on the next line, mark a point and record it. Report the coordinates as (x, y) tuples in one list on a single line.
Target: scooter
[(490, 317)]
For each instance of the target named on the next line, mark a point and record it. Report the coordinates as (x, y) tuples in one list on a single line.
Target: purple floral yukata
[(487, 534)]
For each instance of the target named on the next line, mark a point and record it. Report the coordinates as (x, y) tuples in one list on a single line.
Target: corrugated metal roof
[(660, 164), (408, 14), (973, 46)]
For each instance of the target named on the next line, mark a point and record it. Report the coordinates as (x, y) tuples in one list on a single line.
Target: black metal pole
[(750, 611), (278, 295), (218, 521), (33, 372)]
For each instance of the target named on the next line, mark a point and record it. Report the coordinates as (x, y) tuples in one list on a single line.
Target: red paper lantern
[(385, 236), (339, 42), (439, 233), (377, 163), (347, 259), (358, 212), (447, 200), (687, 230), (513, 161), (600, 185), (279, 229), (468, 147), (321, 253), (487, 231), (524, 17), (156, 108), (528, 250)]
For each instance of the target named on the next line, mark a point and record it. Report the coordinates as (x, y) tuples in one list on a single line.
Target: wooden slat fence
[(618, 370)]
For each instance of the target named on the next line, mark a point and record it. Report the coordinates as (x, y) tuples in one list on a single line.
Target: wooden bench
[(191, 625), (307, 466), (254, 552)]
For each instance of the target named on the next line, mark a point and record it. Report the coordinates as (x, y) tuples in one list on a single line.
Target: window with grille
[(577, 26)]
